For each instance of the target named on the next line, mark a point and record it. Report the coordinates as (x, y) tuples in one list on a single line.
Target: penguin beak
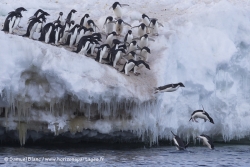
[(24, 9)]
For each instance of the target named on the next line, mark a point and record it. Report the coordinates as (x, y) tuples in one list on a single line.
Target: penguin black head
[(146, 48), (73, 11), (116, 41), (77, 26), (119, 21), (211, 119), (145, 35), (129, 32), (19, 10), (143, 16), (110, 18), (72, 22), (91, 29), (181, 84), (115, 5), (61, 13), (142, 26), (146, 65), (153, 21), (46, 14), (133, 42), (114, 33), (132, 53), (86, 15)]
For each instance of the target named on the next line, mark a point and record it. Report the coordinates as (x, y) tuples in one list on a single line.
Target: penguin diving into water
[(201, 114), (168, 88), (179, 143), (206, 141), (117, 8)]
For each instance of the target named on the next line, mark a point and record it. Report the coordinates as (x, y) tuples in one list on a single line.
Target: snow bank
[(203, 44)]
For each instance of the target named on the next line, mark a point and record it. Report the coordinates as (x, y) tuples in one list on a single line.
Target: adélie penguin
[(141, 64), (206, 141), (11, 22), (155, 26), (179, 143), (168, 88), (117, 8), (201, 114), (18, 10), (128, 65)]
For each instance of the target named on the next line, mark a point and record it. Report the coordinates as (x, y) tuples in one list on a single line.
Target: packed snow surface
[(205, 44)]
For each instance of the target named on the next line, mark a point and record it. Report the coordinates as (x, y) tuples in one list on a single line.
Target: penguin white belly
[(73, 38), (143, 42), (57, 35), (85, 48), (117, 58), (47, 35), (11, 24), (102, 54), (72, 16), (118, 29), (79, 36), (131, 48), (109, 27), (129, 67), (200, 115), (144, 54), (118, 11), (93, 49), (85, 23), (33, 29), (205, 142), (39, 27), (170, 89), (176, 143), (141, 32), (16, 22), (129, 38), (110, 39), (154, 29)]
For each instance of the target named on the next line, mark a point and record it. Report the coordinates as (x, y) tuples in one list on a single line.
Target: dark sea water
[(222, 156)]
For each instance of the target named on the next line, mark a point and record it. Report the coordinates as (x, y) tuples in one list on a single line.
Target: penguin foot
[(136, 74)]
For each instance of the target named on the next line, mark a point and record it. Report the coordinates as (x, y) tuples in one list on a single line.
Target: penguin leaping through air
[(168, 88), (206, 141), (117, 8), (179, 143), (201, 114)]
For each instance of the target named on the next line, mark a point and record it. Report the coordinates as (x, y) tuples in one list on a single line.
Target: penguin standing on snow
[(18, 10), (179, 143), (142, 29), (144, 53), (91, 24), (55, 35), (168, 88), (201, 114), (206, 141), (102, 52), (84, 20), (129, 65), (110, 38), (33, 25), (116, 56), (141, 64), (117, 8), (144, 40), (83, 31), (11, 22), (46, 32), (155, 26), (128, 37), (146, 21), (119, 26), (71, 15), (72, 35), (109, 25), (63, 31), (60, 19)]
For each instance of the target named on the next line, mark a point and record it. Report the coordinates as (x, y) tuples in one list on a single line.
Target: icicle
[(22, 128)]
